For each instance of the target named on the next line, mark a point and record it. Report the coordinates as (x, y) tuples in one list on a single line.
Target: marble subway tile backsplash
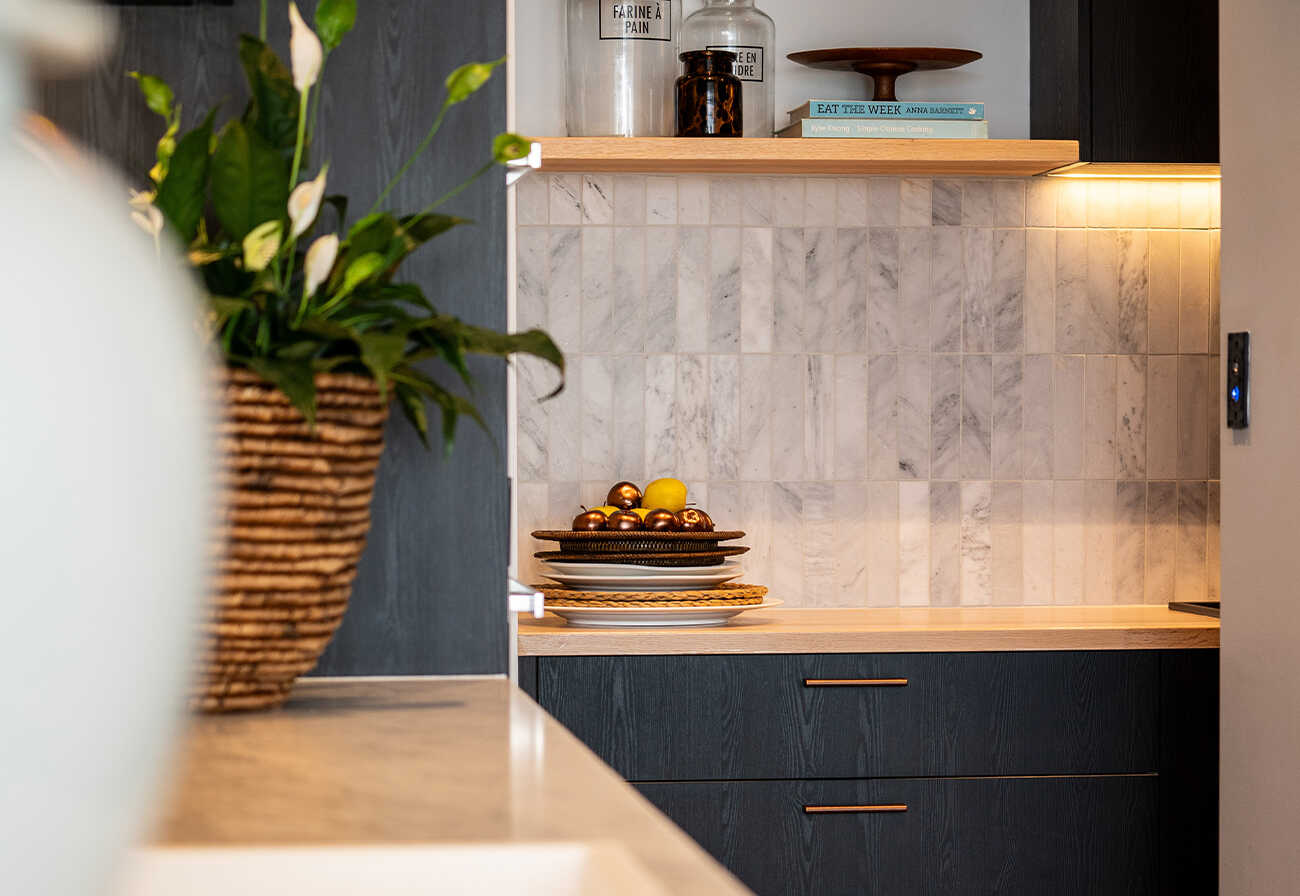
[(908, 391)]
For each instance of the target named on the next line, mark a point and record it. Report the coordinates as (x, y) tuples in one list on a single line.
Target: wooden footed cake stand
[(885, 64)]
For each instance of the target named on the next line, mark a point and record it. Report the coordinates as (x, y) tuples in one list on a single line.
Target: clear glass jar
[(739, 26), (622, 65)]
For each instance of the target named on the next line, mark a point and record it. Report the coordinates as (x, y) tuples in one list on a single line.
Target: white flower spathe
[(305, 51), (261, 245), (145, 214), (304, 204), (320, 261), (150, 220)]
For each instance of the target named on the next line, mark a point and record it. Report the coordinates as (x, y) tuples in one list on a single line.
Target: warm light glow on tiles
[(1137, 171)]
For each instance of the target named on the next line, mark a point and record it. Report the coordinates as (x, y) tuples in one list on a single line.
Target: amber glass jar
[(709, 96)]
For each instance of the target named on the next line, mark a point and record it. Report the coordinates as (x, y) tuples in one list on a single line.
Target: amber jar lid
[(704, 62)]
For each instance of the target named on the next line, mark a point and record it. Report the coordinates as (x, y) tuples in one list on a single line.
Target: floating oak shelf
[(993, 158)]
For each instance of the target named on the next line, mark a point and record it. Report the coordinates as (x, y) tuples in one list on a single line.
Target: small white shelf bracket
[(517, 168)]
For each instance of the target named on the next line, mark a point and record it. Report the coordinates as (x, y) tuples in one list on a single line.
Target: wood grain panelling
[(732, 717), (1063, 836), (430, 594), (1132, 82)]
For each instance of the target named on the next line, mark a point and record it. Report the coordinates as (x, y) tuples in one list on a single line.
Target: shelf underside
[(674, 155)]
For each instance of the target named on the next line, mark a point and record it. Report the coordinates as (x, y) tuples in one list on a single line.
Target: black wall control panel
[(1237, 393)]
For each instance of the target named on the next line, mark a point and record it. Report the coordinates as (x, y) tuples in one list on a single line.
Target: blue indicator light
[(1236, 393)]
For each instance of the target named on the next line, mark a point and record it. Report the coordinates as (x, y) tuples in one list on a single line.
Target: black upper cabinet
[(1131, 80)]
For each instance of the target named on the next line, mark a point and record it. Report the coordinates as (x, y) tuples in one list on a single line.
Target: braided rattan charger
[(729, 595)]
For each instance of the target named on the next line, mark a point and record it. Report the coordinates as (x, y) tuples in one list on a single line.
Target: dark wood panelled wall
[(430, 596), (1131, 81)]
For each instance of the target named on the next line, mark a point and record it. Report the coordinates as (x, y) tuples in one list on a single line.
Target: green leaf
[(537, 343), (250, 180), (446, 346), (413, 407), (328, 329), (508, 147), (451, 405), (262, 244), (401, 292), (273, 111), (181, 193), (381, 352), (305, 350), (464, 81), (294, 378), (419, 229), (373, 233), (361, 270), (334, 19), (227, 305), (158, 95)]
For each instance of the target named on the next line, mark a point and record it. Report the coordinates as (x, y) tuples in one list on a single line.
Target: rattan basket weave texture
[(296, 510)]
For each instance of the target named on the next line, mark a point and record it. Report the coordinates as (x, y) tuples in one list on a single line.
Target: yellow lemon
[(605, 509), (665, 494)]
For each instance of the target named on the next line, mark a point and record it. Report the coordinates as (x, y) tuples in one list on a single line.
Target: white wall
[(1260, 755), (997, 28)]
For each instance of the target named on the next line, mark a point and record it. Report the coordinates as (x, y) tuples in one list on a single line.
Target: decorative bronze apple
[(624, 496), (589, 521), (623, 521), (694, 520), (661, 521)]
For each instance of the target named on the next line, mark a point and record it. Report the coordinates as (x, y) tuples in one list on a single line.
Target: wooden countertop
[(391, 761), (893, 630)]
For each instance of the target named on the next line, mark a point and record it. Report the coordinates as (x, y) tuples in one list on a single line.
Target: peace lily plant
[(289, 295)]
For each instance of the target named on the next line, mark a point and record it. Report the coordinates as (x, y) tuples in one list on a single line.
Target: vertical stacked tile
[(910, 391)]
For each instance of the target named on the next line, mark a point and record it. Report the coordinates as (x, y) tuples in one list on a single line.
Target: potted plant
[(319, 336)]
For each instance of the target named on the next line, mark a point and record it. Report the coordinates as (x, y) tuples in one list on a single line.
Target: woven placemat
[(666, 561), (730, 594)]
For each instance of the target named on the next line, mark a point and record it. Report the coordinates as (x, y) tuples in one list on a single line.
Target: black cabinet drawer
[(1059, 836), (673, 718)]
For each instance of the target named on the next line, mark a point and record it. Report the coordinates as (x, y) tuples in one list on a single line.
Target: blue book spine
[(901, 109), (902, 128)]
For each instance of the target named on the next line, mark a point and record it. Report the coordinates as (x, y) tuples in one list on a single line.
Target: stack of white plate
[(628, 577)]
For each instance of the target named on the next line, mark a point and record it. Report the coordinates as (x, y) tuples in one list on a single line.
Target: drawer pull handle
[(854, 682), (844, 810)]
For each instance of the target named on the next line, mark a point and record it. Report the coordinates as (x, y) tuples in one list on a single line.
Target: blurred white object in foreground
[(467, 869), (102, 489)]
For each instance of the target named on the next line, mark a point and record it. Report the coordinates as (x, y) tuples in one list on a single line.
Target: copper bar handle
[(854, 682), (846, 810)]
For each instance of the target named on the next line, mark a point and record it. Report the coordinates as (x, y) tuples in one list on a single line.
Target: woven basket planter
[(296, 510)]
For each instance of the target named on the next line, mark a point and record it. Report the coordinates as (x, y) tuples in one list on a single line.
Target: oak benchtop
[(888, 630), (416, 761)]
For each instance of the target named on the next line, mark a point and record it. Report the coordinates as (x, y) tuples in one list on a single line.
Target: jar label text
[(749, 61), (651, 20)]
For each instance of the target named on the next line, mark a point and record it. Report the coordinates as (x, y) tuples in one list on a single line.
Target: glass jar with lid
[(743, 29), (622, 62)]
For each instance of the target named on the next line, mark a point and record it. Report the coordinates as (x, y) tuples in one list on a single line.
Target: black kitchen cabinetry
[(1131, 81), (1086, 772)]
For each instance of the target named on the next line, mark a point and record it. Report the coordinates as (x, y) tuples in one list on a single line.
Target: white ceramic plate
[(662, 580), (618, 617), (629, 570)]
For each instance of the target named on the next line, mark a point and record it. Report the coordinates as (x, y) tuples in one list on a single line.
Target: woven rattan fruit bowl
[(635, 542)]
